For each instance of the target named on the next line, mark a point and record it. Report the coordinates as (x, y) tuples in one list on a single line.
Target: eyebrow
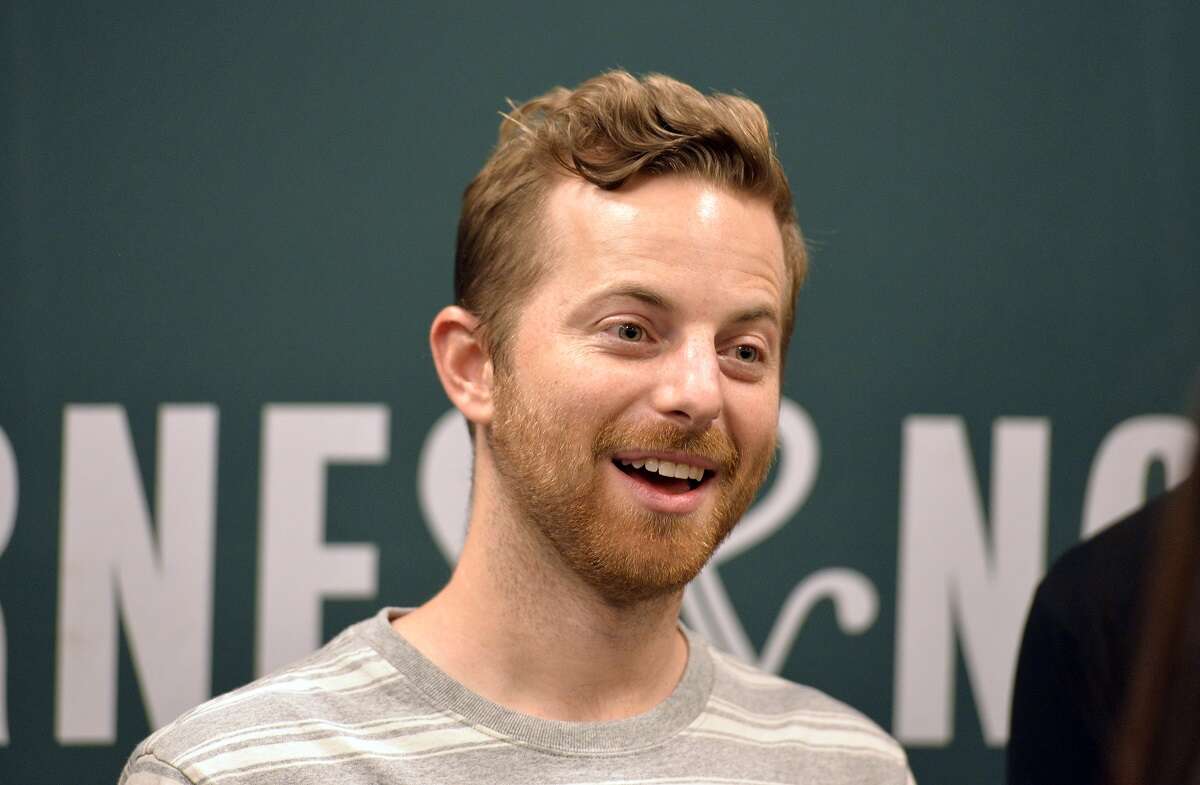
[(755, 314), (657, 300), (634, 292)]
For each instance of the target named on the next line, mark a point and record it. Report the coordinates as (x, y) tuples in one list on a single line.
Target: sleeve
[(1052, 734), (145, 769)]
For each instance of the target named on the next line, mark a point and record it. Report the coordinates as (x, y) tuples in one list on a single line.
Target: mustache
[(711, 444)]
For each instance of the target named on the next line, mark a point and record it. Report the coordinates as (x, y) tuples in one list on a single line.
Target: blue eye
[(746, 353), (630, 332)]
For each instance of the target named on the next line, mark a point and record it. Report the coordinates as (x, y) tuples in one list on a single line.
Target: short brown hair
[(609, 129)]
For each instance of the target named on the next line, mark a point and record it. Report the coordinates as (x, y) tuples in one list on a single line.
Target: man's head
[(607, 131), (624, 310)]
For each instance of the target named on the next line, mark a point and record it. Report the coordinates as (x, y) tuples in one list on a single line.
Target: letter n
[(956, 571)]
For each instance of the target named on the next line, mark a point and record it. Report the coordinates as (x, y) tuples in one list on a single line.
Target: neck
[(515, 626)]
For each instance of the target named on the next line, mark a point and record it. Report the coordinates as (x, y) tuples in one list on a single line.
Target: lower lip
[(662, 501)]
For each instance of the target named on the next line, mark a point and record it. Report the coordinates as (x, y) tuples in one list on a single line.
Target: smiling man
[(626, 274)]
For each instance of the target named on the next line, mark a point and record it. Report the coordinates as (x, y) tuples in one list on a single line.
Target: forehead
[(676, 231)]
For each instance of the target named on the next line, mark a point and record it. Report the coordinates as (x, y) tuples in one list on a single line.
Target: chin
[(644, 559)]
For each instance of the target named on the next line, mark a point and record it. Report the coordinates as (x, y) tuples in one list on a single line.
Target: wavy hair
[(607, 130)]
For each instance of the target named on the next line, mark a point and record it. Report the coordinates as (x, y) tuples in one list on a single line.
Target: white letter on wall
[(297, 569), (1117, 483), (110, 558), (8, 521), (948, 574)]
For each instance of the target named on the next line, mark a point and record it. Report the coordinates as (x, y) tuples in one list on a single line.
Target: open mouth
[(665, 475)]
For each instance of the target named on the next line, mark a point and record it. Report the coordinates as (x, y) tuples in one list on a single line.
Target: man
[(626, 272)]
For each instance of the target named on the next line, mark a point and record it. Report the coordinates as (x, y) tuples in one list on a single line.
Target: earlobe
[(463, 363)]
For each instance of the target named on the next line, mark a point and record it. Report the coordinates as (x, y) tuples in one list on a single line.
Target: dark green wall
[(256, 205)]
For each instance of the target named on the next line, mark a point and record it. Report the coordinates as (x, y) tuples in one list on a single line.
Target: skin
[(522, 622)]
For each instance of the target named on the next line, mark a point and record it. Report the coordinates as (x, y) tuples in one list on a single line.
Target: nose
[(689, 387)]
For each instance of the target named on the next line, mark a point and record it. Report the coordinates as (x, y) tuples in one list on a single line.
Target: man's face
[(653, 338)]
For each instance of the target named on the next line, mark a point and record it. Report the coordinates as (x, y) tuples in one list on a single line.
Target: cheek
[(586, 386), (753, 416)]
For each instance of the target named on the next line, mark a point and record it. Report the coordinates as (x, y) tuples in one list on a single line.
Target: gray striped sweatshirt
[(369, 708)]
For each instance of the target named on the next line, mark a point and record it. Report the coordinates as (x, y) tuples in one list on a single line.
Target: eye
[(630, 332), (747, 353)]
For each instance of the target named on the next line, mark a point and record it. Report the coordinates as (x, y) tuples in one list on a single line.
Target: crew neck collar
[(666, 719)]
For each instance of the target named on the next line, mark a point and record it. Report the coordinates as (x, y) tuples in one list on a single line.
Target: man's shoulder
[(343, 687), (756, 691), (763, 708)]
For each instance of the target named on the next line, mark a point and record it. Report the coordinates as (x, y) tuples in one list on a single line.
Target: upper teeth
[(666, 468)]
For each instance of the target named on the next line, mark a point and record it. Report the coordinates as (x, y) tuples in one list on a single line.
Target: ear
[(463, 363)]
